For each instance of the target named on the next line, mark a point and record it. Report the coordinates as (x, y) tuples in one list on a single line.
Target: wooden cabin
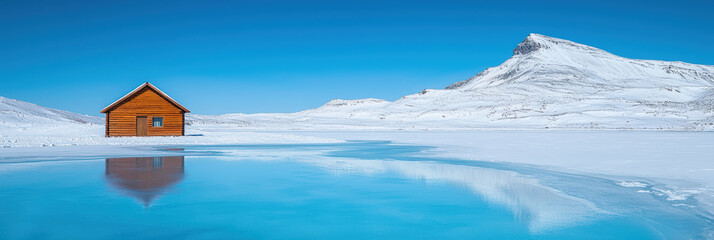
[(146, 111)]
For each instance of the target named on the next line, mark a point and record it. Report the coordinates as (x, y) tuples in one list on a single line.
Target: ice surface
[(674, 165), (345, 189)]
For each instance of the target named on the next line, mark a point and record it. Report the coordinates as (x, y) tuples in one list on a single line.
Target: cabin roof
[(136, 91)]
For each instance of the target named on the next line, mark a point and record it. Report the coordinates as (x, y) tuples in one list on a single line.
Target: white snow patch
[(632, 184)]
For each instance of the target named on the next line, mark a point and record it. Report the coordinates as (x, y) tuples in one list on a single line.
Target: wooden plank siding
[(106, 126), (121, 121)]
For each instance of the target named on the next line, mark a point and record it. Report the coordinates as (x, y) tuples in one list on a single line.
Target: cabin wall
[(121, 121)]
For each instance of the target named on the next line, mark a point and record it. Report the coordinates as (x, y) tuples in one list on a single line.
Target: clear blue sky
[(283, 56)]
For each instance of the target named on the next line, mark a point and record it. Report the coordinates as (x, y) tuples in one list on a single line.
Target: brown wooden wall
[(121, 121)]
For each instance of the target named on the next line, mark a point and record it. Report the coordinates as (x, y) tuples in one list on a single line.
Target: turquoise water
[(356, 190)]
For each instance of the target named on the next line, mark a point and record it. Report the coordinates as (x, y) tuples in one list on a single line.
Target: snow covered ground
[(93, 134), (24, 124)]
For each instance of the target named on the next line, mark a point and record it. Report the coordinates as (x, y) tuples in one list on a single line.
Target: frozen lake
[(353, 190)]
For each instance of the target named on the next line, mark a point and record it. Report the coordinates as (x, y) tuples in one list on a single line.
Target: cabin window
[(158, 121)]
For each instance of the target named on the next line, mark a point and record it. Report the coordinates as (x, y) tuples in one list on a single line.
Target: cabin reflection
[(144, 178)]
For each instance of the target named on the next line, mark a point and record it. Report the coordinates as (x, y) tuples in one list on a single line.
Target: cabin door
[(141, 125)]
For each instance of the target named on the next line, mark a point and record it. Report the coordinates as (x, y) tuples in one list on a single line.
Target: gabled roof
[(137, 90)]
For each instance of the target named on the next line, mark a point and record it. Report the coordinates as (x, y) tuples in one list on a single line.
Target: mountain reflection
[(144, 178), (540, 206)]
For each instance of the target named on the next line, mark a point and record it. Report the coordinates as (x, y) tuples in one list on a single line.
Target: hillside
[(16, 112), (547, 83)]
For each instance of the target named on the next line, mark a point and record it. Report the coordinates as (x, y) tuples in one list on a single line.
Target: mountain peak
[(532, 43), (538, 59), (535, 42)]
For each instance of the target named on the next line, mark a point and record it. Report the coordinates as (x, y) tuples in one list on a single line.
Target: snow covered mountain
[(16, 112), (547, 83)]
